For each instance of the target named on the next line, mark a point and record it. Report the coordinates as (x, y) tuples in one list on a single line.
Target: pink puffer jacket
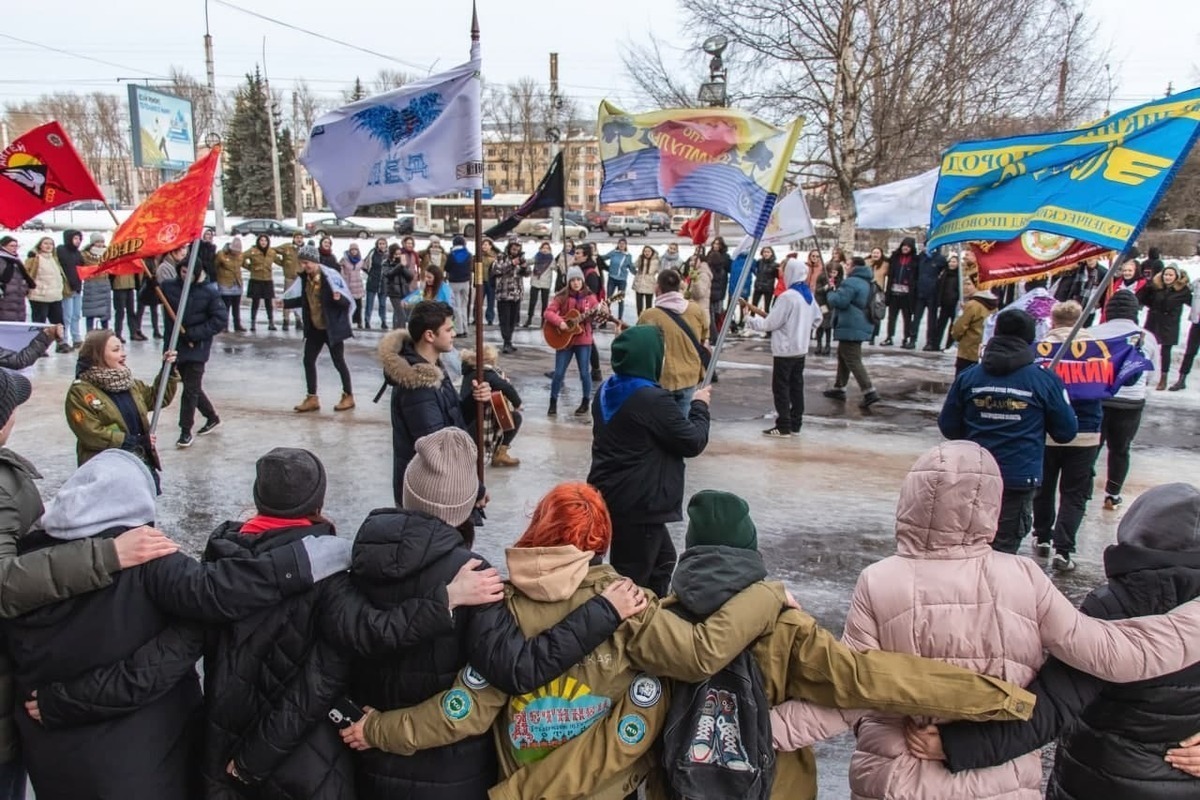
[(947, 595)]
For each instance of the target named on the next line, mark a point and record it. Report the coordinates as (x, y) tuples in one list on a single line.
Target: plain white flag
[(16, 336), (790, 222), (421, 140), (901, 204)]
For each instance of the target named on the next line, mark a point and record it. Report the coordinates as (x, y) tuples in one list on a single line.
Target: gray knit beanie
[(14, 390), (441, 479), (574, 273), (309, 253)]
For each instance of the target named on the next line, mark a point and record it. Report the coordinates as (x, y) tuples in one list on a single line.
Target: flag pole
[(728, 321), (480, 406), (1092, 303), (161, 297), (173, 340)]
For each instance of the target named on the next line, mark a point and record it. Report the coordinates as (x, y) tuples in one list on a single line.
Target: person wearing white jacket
[(1193, 340), (790, 323)]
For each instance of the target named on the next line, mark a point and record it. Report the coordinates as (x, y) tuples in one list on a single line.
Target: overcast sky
[(1152, 42)]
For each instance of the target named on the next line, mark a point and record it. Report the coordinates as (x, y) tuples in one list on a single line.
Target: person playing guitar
[(576, 297)]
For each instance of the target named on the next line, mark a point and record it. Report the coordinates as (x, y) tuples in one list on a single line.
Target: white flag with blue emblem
[(421, 140)]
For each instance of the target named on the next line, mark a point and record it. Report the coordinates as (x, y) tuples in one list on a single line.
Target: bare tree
[(520, 113), (885, 85), (388, 79)]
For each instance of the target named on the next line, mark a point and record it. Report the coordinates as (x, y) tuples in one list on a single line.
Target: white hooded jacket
[(792, 318)]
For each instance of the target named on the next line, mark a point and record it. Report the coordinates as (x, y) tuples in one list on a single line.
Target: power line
[(297, 28), (78, 55)]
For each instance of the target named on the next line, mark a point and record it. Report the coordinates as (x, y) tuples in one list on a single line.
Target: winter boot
[(311, 403), (285, 323), (346, 403), (1180, 384), (836, 393), (584, 408), (503, 459), (553, 410), (869, 399)]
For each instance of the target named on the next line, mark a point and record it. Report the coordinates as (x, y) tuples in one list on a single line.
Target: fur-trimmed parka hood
[(490, 354), (403, 366)]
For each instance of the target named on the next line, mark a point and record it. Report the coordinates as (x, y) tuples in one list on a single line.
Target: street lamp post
[(713, 93)]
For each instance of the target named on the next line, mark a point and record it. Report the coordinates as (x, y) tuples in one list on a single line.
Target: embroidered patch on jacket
[(551, 716), (473, 679), (456, 704), (645, 691), (631, 729)]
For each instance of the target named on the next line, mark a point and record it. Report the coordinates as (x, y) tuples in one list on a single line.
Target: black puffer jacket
[(70, 258), (1114, 735), (270, 682), (402, 555), (151, 748), (720, 263)]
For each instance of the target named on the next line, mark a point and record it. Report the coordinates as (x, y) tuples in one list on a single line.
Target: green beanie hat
[(720, 518), (638, 353)]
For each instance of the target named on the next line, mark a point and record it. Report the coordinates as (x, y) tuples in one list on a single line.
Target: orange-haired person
[(590, 730)]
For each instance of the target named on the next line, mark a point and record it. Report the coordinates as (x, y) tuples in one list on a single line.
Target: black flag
[(550, 193)]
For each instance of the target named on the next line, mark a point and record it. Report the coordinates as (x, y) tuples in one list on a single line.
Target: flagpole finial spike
[(474, 22)]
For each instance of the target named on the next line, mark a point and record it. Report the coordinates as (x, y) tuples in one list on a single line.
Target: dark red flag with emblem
[(697, 229), (171, 218), (40, 171)]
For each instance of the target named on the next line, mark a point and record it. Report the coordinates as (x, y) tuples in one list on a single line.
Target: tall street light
[(712, 93)]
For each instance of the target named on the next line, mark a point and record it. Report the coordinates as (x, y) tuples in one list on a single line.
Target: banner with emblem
[(40, 171), (170, 218), (1033, 254), (1097, 184), (1096, 369)]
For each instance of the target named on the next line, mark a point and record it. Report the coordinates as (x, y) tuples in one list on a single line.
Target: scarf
[(541, 263), (671, 301), (804, 291), (616, 390), (353, 259), (116, 379), (262, 523)]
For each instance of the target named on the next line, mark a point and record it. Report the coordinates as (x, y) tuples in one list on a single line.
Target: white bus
[(447, 216)]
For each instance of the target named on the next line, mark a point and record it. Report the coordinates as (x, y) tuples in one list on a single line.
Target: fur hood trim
[(490, 354), (398, 369)]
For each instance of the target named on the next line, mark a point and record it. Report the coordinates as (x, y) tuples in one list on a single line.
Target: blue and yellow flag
[(719, 159), (1097, 184)]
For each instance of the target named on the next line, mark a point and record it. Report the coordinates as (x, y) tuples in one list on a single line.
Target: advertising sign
[(163, 133)]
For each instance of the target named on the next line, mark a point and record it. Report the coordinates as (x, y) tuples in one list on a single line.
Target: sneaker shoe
[(185, 441), (1111, 502), (209, 426), (1063, 563), (729, 736), (869, 399), (704, 742), (886, 343), (1041, 549), (777, 432), (835, 394)]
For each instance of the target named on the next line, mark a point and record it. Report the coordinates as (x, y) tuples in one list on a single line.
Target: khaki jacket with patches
[(590, 732), (259, 264), (96, 420)]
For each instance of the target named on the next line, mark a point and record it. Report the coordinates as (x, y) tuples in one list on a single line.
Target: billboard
[(164, 136)]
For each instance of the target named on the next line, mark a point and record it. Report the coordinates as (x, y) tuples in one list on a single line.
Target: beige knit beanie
[(441, 478)]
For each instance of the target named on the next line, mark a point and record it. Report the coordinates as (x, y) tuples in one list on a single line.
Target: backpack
[(717, 740), (876, 308)]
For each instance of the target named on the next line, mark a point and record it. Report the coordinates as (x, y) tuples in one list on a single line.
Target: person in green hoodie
[(640, 439)]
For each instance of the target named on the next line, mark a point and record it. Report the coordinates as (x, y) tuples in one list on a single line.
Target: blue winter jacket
[(735, 274), (618, 265), (458, 265), (929, 269), (1007, 405), (850, 300)]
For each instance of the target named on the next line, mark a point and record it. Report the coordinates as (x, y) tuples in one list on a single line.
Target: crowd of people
[(398, 664)]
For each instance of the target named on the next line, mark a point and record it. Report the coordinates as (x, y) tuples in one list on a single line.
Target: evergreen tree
[(249, 188)]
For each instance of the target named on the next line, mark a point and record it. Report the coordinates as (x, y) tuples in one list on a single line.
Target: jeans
[(313, 343), (849, 358), (233, 305), (683, 397), (191, 374), (534, 294), (562, 359), (612, 288), (12, 780), (489, 301), (1069, 470), (72, 313), (382, 298), (95, 324), (645, 554), (1016, 518), (123, 310), (645, 302), (46, 312), (510, 312), (460, 294), (1189, 354), (787, 387), (925, 307), (1117, 430), (899, 308)]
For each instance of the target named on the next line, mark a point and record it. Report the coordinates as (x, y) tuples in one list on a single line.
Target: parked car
[(575, 217), (271, 227), (541, 228), (335, 227), (34, 224), (403, 226), (626, 226), (678, 221), (657, 221), (595, 220), (84, 205)]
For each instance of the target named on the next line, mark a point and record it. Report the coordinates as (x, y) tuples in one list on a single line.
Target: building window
[(591, 182), (574, 183), (491, 152)]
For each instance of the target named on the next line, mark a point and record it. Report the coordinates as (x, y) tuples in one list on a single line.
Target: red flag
[(39, 171), (1030, 255), (171, 218), (697, 229)]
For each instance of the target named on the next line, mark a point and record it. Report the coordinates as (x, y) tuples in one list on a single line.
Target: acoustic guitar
[(503, 411), (575, 319)]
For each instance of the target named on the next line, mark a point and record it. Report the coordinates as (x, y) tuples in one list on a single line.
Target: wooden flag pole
[(480, 406), (162, 298)]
